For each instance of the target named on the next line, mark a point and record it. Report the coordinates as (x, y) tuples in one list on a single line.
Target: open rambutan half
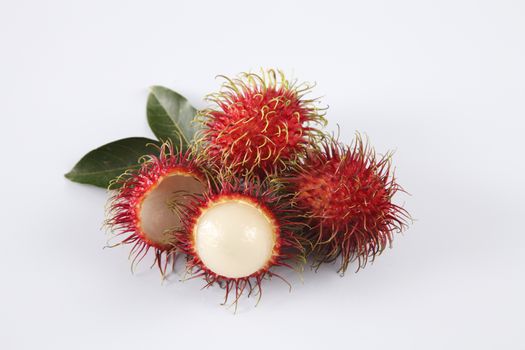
[(238, 232), (345, 193), (143, 208), (260, 122)]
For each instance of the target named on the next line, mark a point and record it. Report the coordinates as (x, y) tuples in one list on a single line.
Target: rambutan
[(142, 207), (260, 122), (345, 194), (238, 232)]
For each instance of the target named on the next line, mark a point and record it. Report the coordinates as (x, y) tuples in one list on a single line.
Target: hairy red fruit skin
[(345, 194), (288, 245), (132, 188), (260, 122)]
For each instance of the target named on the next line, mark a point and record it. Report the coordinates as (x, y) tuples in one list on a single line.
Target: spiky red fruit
[(260, 122), (142, 208), (237, 233), (346, 196)]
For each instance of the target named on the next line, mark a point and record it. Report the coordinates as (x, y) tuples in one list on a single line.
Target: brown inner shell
[(157, 219)]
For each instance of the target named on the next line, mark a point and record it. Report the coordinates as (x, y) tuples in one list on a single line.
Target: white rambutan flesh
[(234, 238)]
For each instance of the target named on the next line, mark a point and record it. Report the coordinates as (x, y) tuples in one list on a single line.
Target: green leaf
[(105, 163), (170, 116)]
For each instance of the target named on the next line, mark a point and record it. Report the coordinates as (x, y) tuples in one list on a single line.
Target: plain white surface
[(442, 82)]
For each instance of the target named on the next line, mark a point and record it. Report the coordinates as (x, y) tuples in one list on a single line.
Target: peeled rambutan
[(143, 207), (345, 194), (238, 232), (260, 122)]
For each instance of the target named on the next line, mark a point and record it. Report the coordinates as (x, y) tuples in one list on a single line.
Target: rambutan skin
[(288, 249), (133, 187), (260, 122), (345, 193)]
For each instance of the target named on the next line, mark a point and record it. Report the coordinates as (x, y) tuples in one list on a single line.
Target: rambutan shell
[(238, 232), (346, 196), (260, 122), (143, 209)]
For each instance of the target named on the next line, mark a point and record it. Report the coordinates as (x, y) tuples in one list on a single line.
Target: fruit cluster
[(259, 186)]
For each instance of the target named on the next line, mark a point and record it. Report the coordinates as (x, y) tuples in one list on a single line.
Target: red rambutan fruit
[(237, 232), (260, 122), (345, 194), (142, 207)]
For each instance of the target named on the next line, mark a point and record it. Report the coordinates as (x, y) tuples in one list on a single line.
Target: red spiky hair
[(132, 189), (260, 122), (346, 193), (274, 205)]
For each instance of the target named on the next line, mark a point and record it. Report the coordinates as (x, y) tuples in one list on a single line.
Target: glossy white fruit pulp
[(234, 239)]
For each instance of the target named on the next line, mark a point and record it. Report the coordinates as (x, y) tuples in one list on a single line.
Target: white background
[(441, 82)]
